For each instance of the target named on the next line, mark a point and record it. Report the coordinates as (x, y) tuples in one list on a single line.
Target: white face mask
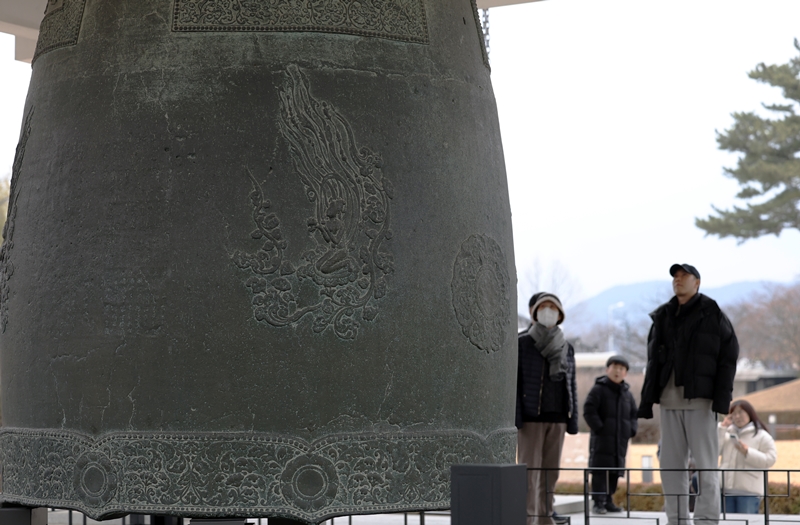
[(547, 317)]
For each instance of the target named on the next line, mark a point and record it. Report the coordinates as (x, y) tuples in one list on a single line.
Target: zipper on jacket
[(541, 389), (569, 396)]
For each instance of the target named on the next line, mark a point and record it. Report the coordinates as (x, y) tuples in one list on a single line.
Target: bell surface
[(258, 260)]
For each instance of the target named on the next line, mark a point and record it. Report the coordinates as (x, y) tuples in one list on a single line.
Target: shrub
[(654, 503), (783, 505), (788, 504)]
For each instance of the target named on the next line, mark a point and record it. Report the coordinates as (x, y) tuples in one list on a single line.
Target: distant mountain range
[(633, 302)]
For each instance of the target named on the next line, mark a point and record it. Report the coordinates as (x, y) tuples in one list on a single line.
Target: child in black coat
[(610, 412)]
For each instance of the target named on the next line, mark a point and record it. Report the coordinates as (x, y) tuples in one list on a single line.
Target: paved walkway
[(570, 506), (659, 518), (61, 517)]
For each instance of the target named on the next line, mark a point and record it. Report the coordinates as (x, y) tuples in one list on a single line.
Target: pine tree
[(769, 170)]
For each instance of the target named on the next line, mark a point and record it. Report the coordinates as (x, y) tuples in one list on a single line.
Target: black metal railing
[(587, 492), (77, 518)]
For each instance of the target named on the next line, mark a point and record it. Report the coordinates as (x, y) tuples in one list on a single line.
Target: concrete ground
[(569, 506), (61, 517), (572, 507), (659, 518)]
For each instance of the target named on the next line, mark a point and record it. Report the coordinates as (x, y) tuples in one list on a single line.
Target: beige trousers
[(539, 447)]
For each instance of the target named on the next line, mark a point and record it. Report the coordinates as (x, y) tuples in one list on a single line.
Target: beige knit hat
[(538, 298)]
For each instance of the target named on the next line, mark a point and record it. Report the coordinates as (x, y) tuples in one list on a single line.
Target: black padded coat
[(536, 393), (697, 341), (610, 412)]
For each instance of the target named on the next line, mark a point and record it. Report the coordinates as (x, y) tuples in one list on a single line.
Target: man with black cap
[(547, 403), (691, 361), (610, 412)]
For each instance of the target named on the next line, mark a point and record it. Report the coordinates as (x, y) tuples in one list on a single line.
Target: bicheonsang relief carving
[(347, 226), (6, 266)]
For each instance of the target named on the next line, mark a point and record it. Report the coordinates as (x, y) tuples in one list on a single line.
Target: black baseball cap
[(688, 268)]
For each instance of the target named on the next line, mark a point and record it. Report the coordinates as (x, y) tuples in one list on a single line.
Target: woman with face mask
[(546, 403), (744, 443)]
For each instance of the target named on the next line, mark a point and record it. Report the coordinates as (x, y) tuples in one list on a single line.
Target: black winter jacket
[(697, 341), (537, 394), (610, 411)]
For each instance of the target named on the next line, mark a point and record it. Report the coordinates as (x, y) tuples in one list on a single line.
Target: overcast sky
[(608, 111), (14, 79)]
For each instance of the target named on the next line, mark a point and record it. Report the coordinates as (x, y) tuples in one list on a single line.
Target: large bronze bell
[(258, 260)]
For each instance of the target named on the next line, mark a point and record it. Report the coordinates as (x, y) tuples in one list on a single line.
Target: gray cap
[(618, 359)]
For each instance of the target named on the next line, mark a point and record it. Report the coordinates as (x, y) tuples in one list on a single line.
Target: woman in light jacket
[(744, 443)]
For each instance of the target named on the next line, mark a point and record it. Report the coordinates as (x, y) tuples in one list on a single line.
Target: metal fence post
[(586, 509), (628, 492)]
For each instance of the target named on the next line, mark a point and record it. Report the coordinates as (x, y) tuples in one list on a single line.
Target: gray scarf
[(553, 347)]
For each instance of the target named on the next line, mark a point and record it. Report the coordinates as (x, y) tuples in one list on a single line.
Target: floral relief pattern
[(216, 475), (393, 19), (350, 199), (310, 482), (480, 289), (95, 480), (60, 27)]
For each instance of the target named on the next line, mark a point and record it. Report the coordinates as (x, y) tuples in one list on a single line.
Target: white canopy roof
[(21, 18)]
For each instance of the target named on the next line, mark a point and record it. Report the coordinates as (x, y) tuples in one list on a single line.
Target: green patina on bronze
[(249, 272)]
